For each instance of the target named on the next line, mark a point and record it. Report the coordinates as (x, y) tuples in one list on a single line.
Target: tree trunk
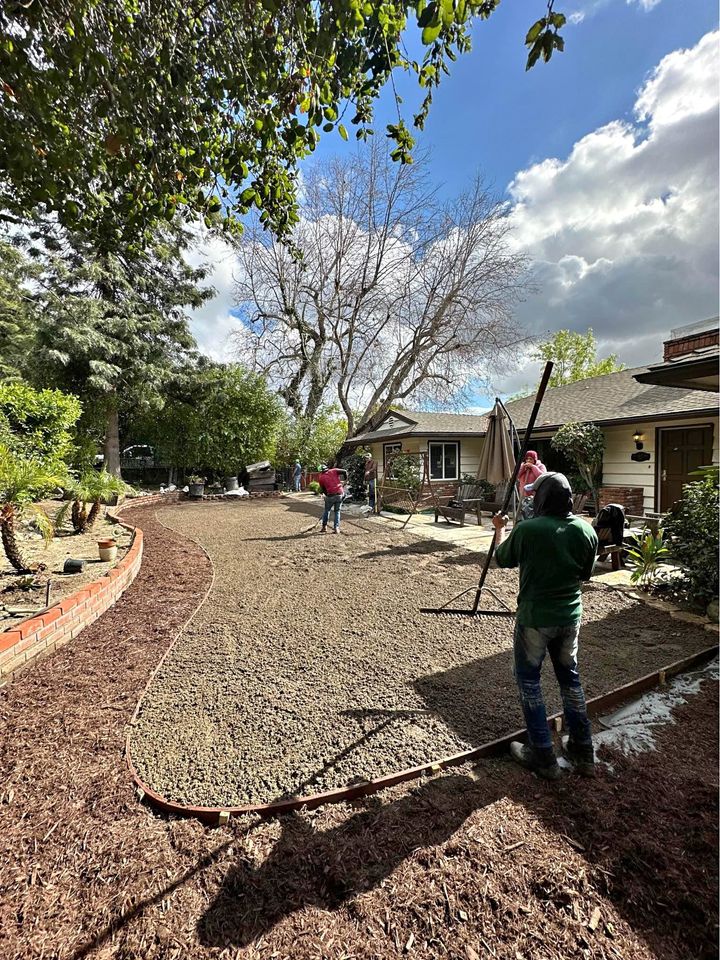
[(93, 515), (112, 443), (79, 516), (10, 544)]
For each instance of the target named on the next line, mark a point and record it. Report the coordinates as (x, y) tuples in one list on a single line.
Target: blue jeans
[(296, 484), (530, 645), (332, 503), (371, 493)]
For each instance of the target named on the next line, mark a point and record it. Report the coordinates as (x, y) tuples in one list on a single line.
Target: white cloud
[(213, 323), (624, 231)]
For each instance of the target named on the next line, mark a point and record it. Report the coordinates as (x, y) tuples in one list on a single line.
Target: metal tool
[(506, 611)]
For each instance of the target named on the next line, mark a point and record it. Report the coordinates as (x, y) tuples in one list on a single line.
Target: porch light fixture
[(638, 437)]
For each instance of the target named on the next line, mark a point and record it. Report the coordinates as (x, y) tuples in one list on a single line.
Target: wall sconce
[(638, 437)]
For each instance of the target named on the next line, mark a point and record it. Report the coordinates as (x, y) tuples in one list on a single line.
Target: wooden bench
[(468, 499)]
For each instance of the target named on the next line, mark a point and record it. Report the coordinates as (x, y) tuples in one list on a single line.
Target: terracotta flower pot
[(107, 549)]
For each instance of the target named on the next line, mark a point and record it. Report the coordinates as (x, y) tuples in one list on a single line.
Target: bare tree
[(385, 296)]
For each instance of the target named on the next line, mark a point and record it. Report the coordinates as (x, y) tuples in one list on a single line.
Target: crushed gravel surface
[(310, 666), (483, 861)]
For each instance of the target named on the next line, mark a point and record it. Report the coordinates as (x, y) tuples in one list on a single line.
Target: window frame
[(443, 444)]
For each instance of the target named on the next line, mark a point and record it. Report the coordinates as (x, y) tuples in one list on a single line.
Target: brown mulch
[(478, 862), (311, 665)]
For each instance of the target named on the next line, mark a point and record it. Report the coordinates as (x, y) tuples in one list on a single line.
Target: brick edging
[(62, 622)]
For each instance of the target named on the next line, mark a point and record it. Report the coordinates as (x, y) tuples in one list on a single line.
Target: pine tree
[(113, 325)]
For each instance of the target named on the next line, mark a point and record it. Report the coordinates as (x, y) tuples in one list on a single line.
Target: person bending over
[(555, 552), (331, 482)]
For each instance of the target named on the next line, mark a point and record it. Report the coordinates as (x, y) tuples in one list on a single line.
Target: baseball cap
[(538, 482)]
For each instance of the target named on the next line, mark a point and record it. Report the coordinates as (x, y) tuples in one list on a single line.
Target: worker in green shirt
[(555, 551)]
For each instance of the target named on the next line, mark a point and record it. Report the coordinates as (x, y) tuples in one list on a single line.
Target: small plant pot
[(107, 550), (231, 483), (197, 490)]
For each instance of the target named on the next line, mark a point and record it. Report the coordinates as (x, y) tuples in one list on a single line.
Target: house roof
[(611, 398), (422, 424)]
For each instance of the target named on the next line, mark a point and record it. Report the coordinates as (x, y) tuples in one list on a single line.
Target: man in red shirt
[(331, 482)]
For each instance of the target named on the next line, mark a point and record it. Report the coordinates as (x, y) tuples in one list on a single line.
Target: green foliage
[(645, 556), (575, 357), (312, 441), (405, 472), (583, 444), (543, 37), (17, 309), (120, 114), (488, 491), (691, 532), (216, 418), (37, 424), (355, 466), (314, 486), (24, 479)]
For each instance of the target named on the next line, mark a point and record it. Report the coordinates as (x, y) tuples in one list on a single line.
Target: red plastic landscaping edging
[(55, 626), (220, 815)]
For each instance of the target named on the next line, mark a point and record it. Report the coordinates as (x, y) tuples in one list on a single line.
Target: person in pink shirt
[(331, 482), (530, 469)]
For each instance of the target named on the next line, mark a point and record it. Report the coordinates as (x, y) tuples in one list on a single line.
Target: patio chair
[(467, 499)]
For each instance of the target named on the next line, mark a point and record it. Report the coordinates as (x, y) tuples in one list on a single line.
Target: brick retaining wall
[(51, 629), (62, 622)]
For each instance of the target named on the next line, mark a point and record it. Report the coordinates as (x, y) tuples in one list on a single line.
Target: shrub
[(692, 538), (314, 486), (645, 556), (37, 424), (355, 466), (406, 472), (584, 444)]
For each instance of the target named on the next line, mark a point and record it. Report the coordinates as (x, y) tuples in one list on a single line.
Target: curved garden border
[(218, 816), (55, 626)]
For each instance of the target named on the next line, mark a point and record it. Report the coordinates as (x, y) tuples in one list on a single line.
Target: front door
[(682, 450)]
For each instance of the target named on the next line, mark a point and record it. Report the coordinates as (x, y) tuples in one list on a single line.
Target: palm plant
[(90, 488), (646, 555), (22, 482)]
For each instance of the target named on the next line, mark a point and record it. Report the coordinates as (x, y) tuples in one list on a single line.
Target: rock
[(713, 611)]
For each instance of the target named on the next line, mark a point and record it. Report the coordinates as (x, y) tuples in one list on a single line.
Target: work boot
[(541, 762), (581, 756), (335, 530), (323, 529)]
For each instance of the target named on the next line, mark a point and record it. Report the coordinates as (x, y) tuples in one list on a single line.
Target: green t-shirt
[(554, 555)]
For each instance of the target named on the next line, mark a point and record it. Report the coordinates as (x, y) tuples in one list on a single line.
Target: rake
[(474, 611)]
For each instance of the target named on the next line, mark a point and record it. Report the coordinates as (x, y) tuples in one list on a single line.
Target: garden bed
[(21, 591), (483, 860), (310, 666)]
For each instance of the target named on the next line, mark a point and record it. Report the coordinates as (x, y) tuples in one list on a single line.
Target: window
[(444, 461)]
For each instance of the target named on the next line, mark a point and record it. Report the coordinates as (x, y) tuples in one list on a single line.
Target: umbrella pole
[(508, 496)]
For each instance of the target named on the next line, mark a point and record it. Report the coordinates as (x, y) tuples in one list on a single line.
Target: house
[(655, 435)]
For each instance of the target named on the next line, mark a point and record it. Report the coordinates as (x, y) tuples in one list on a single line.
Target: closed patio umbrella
[(497, 461)]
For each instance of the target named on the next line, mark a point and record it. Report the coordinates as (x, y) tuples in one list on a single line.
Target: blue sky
[(608, 156), (493, 116)]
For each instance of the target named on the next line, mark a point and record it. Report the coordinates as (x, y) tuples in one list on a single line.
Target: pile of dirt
[(482, 861), (311, 666)]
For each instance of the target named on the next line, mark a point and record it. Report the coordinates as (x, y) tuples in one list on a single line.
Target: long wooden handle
[(521, 456)]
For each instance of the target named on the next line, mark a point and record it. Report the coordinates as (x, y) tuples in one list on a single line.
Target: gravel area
[(310, 665)]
